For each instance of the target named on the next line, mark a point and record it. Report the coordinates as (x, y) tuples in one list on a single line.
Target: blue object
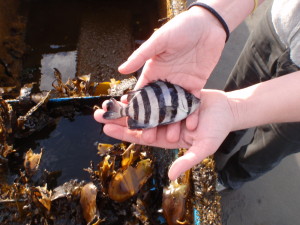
[(161, 220), (86, 100), (197, 220), (66, 99)]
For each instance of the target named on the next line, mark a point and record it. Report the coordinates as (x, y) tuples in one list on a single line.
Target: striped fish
[(158, 103)]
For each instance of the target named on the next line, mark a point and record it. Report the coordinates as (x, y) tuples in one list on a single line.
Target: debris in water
[(83, 86), (32, 162), (103, 148)]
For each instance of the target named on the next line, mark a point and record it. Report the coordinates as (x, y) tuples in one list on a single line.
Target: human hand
[(184, 51), (216, 120)]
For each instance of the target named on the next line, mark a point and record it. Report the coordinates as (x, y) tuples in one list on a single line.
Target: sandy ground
[(274, 198)]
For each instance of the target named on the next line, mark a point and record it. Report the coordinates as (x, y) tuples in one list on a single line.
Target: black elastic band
[(216, 14)]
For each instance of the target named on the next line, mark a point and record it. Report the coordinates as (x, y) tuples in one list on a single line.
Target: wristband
[(216, 14)]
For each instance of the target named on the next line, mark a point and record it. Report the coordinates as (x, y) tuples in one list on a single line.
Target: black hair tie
[(216, 14)]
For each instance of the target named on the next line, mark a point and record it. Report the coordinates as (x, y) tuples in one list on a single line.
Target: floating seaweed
[(82, 86), (80, 203), (120, 192), (32, 162), (122, 189)]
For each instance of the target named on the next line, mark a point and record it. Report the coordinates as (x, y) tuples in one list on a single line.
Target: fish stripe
[(126, 111), (165, 92), (153, 121), (174, 100), (135, 109), (161, 101), (147, 108), (182, 104), (189, 99), (141, 111), (168, 100)]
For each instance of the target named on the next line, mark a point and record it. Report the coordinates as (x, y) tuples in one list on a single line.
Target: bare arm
[(233, 12), (273, 101)]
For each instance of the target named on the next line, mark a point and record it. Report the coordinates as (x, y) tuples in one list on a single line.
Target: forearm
[(233, 12), (273, 101)]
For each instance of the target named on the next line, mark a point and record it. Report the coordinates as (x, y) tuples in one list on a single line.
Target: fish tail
[(114, 110)]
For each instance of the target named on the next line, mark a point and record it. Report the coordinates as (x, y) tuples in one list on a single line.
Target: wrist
[(238, 103), (201, 14), (215, 14), (233, 12)]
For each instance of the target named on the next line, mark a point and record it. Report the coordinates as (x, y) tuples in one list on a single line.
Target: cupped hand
[(184, 51), (215, 121)]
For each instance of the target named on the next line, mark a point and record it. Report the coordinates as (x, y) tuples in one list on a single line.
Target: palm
[(215, 122), (184, 51), (213, 126)]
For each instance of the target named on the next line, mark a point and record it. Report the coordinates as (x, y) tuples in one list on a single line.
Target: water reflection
[(65, 62)]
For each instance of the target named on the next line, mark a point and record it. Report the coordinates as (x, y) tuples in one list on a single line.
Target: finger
[(149, 135), (123, 133), (104, 105), (192, 121), (192, 157), (138, 58), (173, 132), (135, 136), (98, 116)]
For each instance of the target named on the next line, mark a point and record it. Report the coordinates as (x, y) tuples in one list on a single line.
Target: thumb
[(138, 58), (192, 157)]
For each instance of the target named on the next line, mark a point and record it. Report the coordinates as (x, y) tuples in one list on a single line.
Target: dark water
[(77, 38), (68, 147)]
